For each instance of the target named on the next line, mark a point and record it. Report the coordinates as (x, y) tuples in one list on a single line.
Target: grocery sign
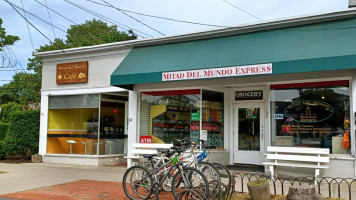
[(218, 72)]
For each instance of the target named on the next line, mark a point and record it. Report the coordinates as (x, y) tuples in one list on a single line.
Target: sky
[(213, 12)]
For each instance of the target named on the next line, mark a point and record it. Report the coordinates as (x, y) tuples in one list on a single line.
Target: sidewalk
[(65, 179), (27, 176), (32, 181)]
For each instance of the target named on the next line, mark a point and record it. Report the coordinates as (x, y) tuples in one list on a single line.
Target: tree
[(90, 33), (24, 89), (6, 39), (95, 32)]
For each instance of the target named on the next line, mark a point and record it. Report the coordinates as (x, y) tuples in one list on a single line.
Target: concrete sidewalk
[(32, 181), (29, 176)]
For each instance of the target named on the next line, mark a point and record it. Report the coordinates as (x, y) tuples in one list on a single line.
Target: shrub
[(7, 109), (22, 137), (3, 130), (2, 152)]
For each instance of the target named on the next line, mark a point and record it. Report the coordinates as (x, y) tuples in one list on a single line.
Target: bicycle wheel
[(193, 182), (212, 174), (137, 184), (225, 177)]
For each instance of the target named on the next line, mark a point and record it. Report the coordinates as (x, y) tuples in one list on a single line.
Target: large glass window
[(171, 115), (73, 124), (71, 121), (311, 115)]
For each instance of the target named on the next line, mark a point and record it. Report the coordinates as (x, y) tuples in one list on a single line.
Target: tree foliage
[(24, 89), (93, 32), (7, 109), (3, 130), (6, 39)]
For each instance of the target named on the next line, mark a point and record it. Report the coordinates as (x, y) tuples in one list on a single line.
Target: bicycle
[(143, 183)]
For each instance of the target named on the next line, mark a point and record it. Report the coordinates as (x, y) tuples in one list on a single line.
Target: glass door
[(249, 133)]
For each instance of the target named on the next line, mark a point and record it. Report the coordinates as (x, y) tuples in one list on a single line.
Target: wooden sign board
[(76, 72)]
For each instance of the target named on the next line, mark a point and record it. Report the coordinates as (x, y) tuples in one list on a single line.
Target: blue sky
[(215, 12)]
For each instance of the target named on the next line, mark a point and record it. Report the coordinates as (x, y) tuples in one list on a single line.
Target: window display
[(311, 115), (171, 115), (213, 117)]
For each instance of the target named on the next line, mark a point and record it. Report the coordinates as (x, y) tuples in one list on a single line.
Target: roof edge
[(212, 33)]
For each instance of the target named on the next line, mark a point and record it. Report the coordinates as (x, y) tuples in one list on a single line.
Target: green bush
[(22, 137), (3, 130), (2, 153), (7, 109)]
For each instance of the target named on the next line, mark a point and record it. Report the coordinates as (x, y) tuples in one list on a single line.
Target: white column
[(43, 125), (231, 125), (132, 124)]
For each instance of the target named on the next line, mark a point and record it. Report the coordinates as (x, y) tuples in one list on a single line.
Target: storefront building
[(83, 117), (289, 82)]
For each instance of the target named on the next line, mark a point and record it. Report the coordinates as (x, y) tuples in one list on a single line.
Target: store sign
[(195, 116), (145, 139), (248, 95), (218, 72), (76, 72), (309, 111)]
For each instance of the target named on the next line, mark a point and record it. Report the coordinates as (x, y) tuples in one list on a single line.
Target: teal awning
[(315, 47)]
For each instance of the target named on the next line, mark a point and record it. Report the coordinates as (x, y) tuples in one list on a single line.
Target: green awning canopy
[(315, 47)]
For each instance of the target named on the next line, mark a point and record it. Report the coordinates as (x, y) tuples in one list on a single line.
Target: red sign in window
[(145, 139)]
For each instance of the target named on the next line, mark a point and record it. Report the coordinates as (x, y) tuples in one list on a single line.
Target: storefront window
[(73, 124), (112, 124), (168, 116), (311, 115), (213, 117)]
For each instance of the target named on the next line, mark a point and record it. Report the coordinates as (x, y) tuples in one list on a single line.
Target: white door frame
[(249, 157)]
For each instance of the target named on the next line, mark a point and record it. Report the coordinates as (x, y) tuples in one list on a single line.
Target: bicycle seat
[(149, 156), (163, 150)]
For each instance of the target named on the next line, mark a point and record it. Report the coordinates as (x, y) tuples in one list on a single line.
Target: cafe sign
[(309, 111), (76, 72), (218, 72)]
